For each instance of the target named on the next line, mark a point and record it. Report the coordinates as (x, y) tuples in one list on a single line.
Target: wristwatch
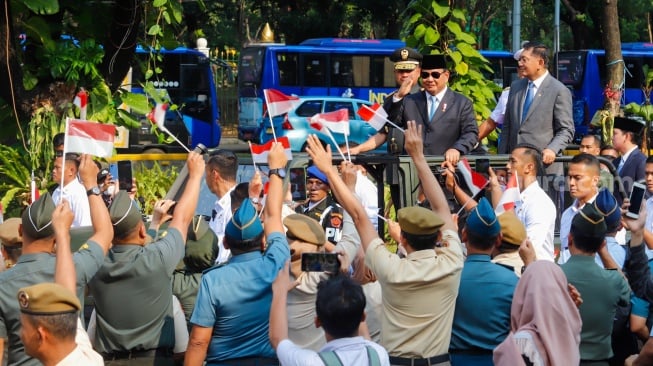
[(95, 190), (281, 172)]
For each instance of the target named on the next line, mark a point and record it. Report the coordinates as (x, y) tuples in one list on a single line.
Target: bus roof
[(351, 42)]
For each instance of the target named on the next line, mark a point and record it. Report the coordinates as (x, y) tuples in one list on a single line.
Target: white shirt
[(351, 351), (649, 224), (367, 192), (538, 214), (499, 111), (565, 227), (83, 354), (219, 222), (75, 193)]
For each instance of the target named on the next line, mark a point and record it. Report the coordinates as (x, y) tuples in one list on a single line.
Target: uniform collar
[(478, 258), (33, 257), (245, 257)]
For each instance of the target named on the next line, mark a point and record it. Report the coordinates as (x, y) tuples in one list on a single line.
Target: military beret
[(434, 62), (303, 228), (314, 172), (47, 299), (589, 221), (607, 205), (406, 58), (244, 224), (37, 218), (512, 230), (201, 245), (124, 213), (635, 125), (9, 235), (419, 221), (482, 220)]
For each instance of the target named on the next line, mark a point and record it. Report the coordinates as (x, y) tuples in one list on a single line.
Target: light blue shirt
[(234, 299)]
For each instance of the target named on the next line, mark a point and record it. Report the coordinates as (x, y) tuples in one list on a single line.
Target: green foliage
[(435, 28), (14, 179), (153, 183)]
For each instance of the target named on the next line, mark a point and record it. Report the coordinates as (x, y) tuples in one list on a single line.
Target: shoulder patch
[(83, 247)]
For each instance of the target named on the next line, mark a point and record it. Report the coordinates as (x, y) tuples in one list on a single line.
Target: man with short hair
[(475, 333), (230, 320), (340, 309), (37, 264), (419, 291), (583, 176), (221, 170), (535, 209), (133, 289), (590, 144), (626, 137), (73, 191), (321, 206), (602, 290)]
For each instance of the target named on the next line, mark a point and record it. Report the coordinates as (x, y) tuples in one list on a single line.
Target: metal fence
[(225, 71)]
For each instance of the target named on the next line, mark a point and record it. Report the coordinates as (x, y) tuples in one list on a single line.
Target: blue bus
[(187, 77), (353, 68), (584, 72)]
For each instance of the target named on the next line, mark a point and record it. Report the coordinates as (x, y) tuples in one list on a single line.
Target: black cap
[(430, 62), (406, 58)]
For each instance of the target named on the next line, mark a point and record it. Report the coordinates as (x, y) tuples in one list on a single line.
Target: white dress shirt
[(75, 193), (366, 190), (538, 214), (219, 218)]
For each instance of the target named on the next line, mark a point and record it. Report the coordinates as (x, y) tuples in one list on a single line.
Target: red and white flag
[(475, 181), (509, 196), (81, 101), (336, 121), (158, 116), (260, 152), (375, 115), (89, 138), (34, 191), (278, 102)]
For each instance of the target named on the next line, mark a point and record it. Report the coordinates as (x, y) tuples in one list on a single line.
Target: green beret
[(124, 213), (303, 228), (244, 224), (201, 245), (419, 221), (37, 218), (482, 220), (47, 299), (512, 229), (9, 236), (589, 222)]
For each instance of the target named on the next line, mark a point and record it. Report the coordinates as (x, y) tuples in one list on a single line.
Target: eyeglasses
[(435, 74)]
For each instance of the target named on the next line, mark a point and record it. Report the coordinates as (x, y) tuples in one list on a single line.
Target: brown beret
[(9, 236), (303, 228), (419, 221), (47, 299), (512, 229)]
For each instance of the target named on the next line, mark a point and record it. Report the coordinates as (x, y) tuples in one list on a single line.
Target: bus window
[(315, 70), (287, 68), (361, 70), (382, 73), (570, 68), (635, 74), (342, 71), (251, 65)]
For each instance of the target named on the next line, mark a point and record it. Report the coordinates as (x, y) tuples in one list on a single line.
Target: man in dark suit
[(626, 137), (539, 109)]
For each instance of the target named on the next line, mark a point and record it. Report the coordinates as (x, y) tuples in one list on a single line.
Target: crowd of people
[(234, 288)]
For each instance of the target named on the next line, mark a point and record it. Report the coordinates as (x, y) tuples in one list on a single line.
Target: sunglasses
[(435, 74)]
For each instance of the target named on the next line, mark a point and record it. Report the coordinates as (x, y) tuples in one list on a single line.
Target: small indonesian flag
[(158, 115), (336, 121), (260, 152), (509, 196), (34, 191), (279, 103), (475, 181), (90, 138), (317, 125), (81, 101), (374, 115)]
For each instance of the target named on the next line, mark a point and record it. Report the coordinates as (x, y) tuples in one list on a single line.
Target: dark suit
[(549, 123), (453, 125), (633, 170)]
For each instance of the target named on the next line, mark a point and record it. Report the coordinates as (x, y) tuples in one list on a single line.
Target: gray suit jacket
[(549, 122), (453, 125)]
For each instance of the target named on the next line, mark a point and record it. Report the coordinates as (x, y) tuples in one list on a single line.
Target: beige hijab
[(544, 321)]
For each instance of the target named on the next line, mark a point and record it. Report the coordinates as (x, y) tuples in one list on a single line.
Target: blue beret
[(314, 172), (244, 223), (482, 220), (607, 206)]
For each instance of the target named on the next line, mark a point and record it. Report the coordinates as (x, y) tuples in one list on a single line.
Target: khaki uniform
[(510, 259), (419, 296)]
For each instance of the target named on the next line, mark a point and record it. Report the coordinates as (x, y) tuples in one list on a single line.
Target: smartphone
[(636, 199), (482, 166), (320, 262), (125, 175)]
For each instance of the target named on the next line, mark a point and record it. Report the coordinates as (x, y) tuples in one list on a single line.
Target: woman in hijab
[(544, 321)]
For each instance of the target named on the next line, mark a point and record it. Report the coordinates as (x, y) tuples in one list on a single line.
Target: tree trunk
[(612, 42)]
